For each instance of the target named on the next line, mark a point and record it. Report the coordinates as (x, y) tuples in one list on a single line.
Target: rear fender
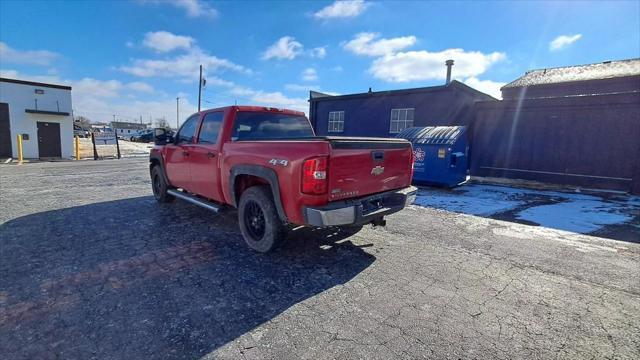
[(268, 175)]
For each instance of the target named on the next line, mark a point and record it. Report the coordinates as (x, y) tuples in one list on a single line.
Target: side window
[(210, 128), (187, 131), (336, 121), (401, 119)]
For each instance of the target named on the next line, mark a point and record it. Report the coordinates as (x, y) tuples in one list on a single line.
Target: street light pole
[(199, 88), (177, 113)]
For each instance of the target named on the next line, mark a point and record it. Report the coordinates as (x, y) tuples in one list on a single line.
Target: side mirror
[(160, 136)]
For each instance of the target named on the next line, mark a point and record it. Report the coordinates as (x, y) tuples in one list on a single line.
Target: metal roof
[(433, 135), (33, 83), (318, 96), (603, 70)]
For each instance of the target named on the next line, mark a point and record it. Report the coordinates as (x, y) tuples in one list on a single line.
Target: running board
[(194, 200)]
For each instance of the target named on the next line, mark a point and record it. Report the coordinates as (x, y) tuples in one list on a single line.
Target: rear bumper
[(360, 211)]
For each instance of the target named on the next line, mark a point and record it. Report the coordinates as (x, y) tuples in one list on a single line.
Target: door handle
[(210, 155), (185, 153)]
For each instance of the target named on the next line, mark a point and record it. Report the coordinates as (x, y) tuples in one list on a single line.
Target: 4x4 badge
[(377, 170)]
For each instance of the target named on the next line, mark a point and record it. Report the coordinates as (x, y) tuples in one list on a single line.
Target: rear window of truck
[(268, 126)]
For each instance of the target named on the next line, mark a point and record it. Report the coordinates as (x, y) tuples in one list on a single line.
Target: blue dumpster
[(440, 153)]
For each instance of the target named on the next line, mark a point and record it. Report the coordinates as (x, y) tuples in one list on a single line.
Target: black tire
[(260, 224), (159, 186)]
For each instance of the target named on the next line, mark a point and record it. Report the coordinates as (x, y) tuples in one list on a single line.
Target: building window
[(401, 119), (336, 121)]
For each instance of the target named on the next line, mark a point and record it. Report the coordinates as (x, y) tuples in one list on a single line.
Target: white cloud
[(309, 74), (129, 44), (9, 74), (563, 41), (29, 57), (301, 87), (280, 100), (368, 44), (337, 68), (196, 8), (425, 65), (275, 99), (285, 48), (184, 66), (342, 9), (193, 8), (96, 88), (486, 86), (164, 41), (140, 86), (319, 52)]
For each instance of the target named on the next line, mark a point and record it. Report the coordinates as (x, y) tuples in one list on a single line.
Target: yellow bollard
[(77, 147), (20, 158)]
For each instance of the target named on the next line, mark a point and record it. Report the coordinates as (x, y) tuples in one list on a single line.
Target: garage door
[(5, 131)]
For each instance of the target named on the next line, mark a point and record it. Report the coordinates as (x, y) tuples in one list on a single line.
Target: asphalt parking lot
[(92, 267)]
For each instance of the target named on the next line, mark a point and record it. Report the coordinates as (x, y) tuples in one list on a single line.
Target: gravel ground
[(92, 267)]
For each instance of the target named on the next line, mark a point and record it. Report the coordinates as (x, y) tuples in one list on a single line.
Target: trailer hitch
[(379, 222)]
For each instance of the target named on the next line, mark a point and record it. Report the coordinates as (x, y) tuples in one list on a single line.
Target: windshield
[(266, 126)]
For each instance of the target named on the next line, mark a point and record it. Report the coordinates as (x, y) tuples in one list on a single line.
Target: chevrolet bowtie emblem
[(377, 170)]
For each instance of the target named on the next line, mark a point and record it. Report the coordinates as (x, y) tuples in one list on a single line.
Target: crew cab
[(268, 163)]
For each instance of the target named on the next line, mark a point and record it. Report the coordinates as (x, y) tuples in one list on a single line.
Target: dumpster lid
[(433, 135)]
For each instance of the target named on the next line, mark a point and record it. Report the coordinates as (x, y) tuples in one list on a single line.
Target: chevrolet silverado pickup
[(269, 164)]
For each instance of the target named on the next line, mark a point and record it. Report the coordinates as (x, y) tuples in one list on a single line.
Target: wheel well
[(152, 163), (243, 182)]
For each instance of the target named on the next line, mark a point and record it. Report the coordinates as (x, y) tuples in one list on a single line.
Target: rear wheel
[(259, 222), (159, 186)]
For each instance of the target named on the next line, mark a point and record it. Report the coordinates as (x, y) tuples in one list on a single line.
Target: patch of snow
[(480, 200), (578, 215), (574, 212)]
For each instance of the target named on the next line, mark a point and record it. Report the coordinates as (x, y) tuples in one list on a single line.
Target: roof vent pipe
[(449, 64)]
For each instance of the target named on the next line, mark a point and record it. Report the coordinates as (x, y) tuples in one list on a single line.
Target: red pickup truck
[(269, 164)]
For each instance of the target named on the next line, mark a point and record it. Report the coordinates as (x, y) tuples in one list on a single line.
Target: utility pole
[(177, 113), (199, 88)]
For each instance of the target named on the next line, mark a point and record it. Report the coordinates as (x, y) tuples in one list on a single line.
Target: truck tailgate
[(365, 166)]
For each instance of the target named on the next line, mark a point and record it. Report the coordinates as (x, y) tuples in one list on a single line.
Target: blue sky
[(134, 58)]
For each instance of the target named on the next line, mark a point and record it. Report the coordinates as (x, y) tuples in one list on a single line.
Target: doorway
[(5, 132), (49, 140)]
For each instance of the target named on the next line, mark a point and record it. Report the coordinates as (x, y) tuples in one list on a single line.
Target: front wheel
[(159, 186), (260, 224)]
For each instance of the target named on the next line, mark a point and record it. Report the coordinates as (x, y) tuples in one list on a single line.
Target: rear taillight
[(314, 176)]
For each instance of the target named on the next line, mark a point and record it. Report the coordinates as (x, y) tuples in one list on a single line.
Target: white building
[(41, 113)]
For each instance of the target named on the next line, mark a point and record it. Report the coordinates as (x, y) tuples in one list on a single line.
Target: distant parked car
[(81, 133), (148, 135), (130, 136), (143, 136)]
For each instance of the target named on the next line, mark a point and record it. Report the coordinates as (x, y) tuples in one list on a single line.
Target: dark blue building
[(387, 113)]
